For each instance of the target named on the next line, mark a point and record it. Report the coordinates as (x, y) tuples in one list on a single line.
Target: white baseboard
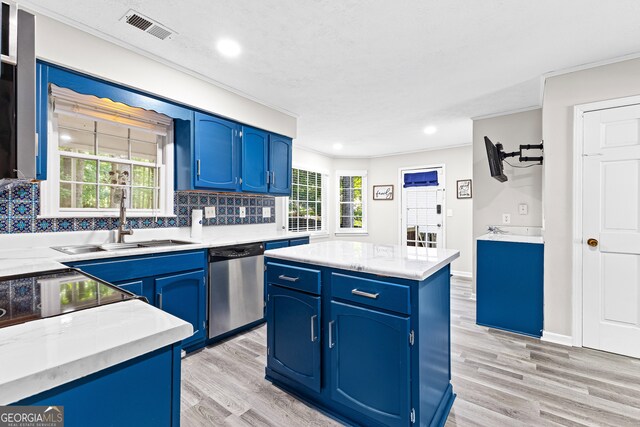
[(465, 274), (557, 338)]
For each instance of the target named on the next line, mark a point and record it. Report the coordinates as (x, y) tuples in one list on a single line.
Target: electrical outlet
[(266, 212), (209, 211), (523, 209), (243, 212), (506, 218)]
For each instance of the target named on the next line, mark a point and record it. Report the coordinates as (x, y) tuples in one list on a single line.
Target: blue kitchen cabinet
[(280, 157), (255, 159), (510, 290), (136, 287), (293, 338), (184, 296), (217, 153), (370, 362), (277, 244)]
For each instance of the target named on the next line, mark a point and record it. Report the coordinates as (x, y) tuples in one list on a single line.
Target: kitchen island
[(362, 331)]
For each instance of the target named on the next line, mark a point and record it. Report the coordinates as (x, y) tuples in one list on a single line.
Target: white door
[(422, 213), (611, 217)]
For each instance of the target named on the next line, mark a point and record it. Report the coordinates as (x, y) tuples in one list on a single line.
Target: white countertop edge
[(512, 238), (27, 385)]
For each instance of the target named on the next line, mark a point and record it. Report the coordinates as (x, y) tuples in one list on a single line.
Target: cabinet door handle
[(160, 301), (365, 294), (273, 178), (268, 173), (288, 279), (313, 327), (198, 167), (331, 343)]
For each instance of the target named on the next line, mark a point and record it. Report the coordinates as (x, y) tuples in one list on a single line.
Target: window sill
[(351, 233)]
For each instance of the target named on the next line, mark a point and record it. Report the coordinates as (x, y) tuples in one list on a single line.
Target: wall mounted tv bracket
[(519, 155)]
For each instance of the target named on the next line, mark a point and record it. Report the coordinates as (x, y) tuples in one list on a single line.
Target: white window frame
[(325, 189), (365, 196), (50, 189)]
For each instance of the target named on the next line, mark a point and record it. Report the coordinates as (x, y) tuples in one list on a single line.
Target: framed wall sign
[(464, 188), (383, 192)]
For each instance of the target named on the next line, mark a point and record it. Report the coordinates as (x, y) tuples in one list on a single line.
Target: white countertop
[(43, 354), (385, 260), (514, 238)]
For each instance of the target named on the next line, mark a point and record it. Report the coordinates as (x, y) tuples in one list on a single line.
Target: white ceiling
[(372, 74)]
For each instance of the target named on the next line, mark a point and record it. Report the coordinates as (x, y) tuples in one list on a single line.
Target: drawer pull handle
[(160, 301), (331, 343), (365, 294), (313, 327), (288, 279)]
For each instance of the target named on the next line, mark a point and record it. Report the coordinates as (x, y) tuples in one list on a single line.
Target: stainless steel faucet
[(123, 218)]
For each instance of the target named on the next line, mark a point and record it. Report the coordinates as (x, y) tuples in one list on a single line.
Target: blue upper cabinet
[(280, 151), (255, 156), (217, 153)]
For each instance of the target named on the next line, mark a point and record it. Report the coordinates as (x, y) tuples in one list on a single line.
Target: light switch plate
[(266, 212), (209, 211), (523, 209), (506, 218), (243, 212)]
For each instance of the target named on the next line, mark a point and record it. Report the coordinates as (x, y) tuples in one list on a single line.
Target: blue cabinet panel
[(255, 155), (510, 286), (144, 391), (370, 362), (276, 244), (293, 336), (373, 293), (135, 287), (217, 153), (300, 241), (298, 278), (280, 152), (184, 296)]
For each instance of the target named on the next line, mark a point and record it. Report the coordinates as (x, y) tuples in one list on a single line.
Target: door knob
[(592, 242)]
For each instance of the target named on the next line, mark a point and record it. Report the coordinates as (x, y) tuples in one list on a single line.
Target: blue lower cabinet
[(184, 296), (370, 363), (135, 287), (276, 244), (293, 336), (144, 391), (300, 241)]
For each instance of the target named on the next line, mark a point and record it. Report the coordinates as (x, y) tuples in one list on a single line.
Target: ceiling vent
[(147, 25)]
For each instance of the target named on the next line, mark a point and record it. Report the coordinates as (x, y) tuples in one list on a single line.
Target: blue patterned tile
[(146, 223), (22, 209), (63, 224), (183, 210), (260, 219), (183, 199), (183, 221), (5, 194), (101, 223), (172, 222), (213, 221), (84, 224), (259, 211), (21, 225), (252, 210), (131, 222), (222, 210), (22, 193), (4, 208), (203, 200), (238, 220), (245, 220), (193, 199), (237, 201), (259, 201), (245, 201), (4, 225), (252, 219), (252, 201), (160, 223), (44, 225), (213, 200)]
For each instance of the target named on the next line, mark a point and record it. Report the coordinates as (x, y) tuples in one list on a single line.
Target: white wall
[(72, 48), (493, 198), (560, 95), (384, 216)]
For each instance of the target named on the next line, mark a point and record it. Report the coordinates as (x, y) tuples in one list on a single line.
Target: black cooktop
[(40, 295)]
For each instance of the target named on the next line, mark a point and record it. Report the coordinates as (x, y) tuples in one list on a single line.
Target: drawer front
[(276, 245), (299, 278), (300, 241), (372, 293)]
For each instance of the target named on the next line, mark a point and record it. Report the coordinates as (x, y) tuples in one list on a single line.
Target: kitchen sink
[(83, 249)]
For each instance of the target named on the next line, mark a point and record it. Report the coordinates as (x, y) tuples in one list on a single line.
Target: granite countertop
[(43, 258), (384, 260), (80, 343), (514, 238)]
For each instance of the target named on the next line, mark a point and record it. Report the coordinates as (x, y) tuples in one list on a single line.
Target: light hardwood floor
[(501, 379)]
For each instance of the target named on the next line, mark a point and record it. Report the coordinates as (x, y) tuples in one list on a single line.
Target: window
[(306, 211), (352, 201), (98, 149)]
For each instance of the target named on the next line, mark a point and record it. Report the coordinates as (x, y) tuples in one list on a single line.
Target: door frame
[(444, 199), (578, 151)]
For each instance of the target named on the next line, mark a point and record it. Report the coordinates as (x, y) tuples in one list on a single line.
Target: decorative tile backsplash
[(20, 204)]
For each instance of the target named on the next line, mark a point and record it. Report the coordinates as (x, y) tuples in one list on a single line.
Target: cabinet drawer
[(300, 241), (276, 244), (373, 293), (303, 279)]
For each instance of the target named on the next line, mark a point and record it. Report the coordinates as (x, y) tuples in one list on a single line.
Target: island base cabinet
[(293, 344), (370, 362)]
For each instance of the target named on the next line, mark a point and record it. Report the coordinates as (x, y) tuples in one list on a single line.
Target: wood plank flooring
[(501, 379)]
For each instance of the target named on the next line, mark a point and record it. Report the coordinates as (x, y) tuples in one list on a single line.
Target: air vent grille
[(147, 25)]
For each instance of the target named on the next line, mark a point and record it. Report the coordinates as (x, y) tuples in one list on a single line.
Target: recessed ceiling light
[(65, 137), (229, 48), (338, 146), (430, 130)]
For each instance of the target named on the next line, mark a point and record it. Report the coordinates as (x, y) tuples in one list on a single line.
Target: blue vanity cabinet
[(369, 355), (184, 296), (217, 153), (293, 337), (255, 159), (280, 157)]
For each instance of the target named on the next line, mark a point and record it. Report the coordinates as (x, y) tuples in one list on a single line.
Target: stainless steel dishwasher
[(236, 287)]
